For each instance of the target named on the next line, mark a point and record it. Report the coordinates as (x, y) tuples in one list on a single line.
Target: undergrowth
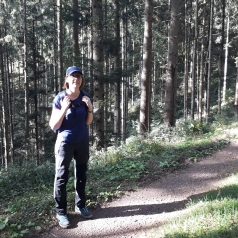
[(26, 191)]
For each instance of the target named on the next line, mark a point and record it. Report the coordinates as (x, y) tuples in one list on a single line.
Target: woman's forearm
[(57, 118), (89, 119)]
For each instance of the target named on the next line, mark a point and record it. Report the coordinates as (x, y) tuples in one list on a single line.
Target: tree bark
[(221, 57), (9, 99), (117, 70), (26, 81), (236, 92), (145, 102), (60, 44), (194, 61), (171, 81), (5, 118), (209, 61), (226, 53), (75, 37), (124, 78), (185, 106), (98, 61), (201, 80), (34, 45)]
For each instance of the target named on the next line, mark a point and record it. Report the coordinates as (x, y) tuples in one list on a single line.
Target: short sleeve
[(86, 94), (56, 102)]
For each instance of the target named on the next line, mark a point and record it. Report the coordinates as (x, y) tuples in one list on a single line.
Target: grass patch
[(213, 216)]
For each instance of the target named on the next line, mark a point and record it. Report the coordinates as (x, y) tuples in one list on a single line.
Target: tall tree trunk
[(221, 56), (117, 69), (98, 61), (9, 111), (107, 70), (194, 60), (209, 61), (34, 45), (9, 99), (90, 68), (124, 79), (201, 80), (26, 81), (75, 31), (185, 111), (5, 118), (236, 93), (60, 44), (145, 102), (171, 81), (226, 53), (133, 75), (55, 54)]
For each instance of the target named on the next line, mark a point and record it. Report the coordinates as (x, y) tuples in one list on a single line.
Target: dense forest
[(143, 62)]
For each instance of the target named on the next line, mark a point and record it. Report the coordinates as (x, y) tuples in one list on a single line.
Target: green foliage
[(224, 118), (193, 127), (139, 146), (26, 198), (33, 178)]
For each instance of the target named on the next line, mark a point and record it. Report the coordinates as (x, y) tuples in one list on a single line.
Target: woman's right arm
[(57, 115)]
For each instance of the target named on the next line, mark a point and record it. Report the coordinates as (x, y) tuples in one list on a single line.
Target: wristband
[(90, 111)]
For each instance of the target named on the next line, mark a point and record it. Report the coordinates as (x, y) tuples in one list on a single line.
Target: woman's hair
[(66, 85)]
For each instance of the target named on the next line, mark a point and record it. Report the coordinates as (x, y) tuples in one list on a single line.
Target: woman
[(71, 115)]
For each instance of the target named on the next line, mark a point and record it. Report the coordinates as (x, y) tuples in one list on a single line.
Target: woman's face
[(74, 80)]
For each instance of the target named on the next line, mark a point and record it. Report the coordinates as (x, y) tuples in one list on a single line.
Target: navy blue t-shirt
[(73, 128)]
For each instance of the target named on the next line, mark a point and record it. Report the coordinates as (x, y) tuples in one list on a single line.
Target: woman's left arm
[(89, 119)]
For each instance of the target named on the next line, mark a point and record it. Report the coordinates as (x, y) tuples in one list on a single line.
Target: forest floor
[(135, 213)]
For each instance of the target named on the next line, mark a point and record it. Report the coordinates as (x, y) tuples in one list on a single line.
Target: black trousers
[(64, 152)]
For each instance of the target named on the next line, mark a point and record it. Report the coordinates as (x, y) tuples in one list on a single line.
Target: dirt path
[(134, 213)]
